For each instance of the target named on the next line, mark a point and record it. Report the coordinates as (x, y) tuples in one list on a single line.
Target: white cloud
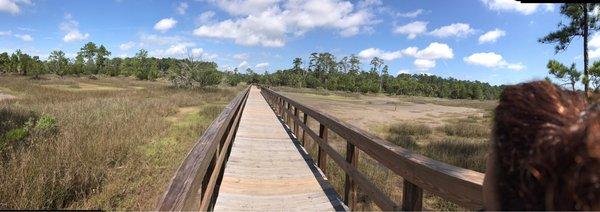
[(244, 7), (594, 45), (270, 22), (512, 5), (182, 8), (412, 29), (434, 51), (10, 6), (412, 14), (127, 46), (5, 33), (165, 24), (491, 60), (200, 53), (491, 36), (243, 64), (24, 37), (261, 65), (241, 56), (403, 71), (71, 28), (424, 64), (453, 30), (205, 17), (375, 52), (178, 49), (424, 58)]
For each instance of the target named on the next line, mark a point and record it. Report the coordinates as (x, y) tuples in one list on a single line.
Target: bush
[(410, 129), (468, 130), (46, 123), (189, 73)]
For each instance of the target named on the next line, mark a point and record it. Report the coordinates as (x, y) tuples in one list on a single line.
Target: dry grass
[(114, 149)]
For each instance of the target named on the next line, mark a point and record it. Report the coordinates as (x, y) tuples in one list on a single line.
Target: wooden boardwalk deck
[(268, 170)]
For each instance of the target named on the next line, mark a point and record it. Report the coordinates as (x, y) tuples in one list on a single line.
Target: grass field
[(110, 143), (452, 131)]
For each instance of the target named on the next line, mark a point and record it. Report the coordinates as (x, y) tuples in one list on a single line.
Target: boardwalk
[(249, 160), (268, 170)]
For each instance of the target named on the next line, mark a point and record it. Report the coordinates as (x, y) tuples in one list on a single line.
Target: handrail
[(458, 185), (193, 185)]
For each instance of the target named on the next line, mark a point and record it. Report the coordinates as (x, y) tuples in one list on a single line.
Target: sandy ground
[(84, 87), (182, 113), (368, 112)]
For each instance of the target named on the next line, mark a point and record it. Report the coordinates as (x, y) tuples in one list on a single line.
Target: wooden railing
[(193, 186), (458, 185)]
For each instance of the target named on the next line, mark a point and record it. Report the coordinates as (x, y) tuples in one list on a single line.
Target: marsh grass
[(114, 148)]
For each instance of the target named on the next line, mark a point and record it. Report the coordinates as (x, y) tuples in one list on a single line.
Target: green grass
[(112, 150)]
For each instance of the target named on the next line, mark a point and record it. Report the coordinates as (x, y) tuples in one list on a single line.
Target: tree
[(569, 75), (58, 62), (88, 51), (4, 62), (581, 24), (376, 63), (595, 76), (101, 54), (189, 73)]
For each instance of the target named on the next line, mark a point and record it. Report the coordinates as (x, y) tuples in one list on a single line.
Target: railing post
[(296, 124), (350, 186), (287, 115), (321, 156), (305, 121), (412, 197)]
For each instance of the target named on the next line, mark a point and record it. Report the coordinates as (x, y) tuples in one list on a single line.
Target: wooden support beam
[(321, 155), (295, 124), (350, 189), (412, 197), (305, 122)]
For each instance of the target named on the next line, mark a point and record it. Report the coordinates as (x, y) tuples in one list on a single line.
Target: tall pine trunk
[(585, 49)]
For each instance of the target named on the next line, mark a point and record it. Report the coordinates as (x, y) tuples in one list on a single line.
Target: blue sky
[(490, 40)]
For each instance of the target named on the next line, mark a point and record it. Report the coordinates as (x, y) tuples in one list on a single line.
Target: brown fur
[(547, 143)]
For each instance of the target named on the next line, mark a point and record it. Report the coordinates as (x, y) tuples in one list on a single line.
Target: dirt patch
[(370, 111), (182, 113), (84, 87), (6, 97)]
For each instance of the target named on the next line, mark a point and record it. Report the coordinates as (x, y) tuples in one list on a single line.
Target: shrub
[(189, 73), (468, 130), (410, 129), (46, 123)]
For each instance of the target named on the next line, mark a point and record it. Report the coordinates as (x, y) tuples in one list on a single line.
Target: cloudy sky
[(488, 40)]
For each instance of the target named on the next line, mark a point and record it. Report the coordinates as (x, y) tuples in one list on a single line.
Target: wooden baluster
[(305, 121), (412, 197), (287, 116), (321, 155), (296, 124), (350, 188)]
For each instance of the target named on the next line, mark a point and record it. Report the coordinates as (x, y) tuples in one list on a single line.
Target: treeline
[(94, 60), (324, 71)]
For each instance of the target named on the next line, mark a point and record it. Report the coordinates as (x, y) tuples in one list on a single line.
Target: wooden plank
[(382, 200), (223, 152), (182, 193), (412, 197), (458, 185), (265, 170)]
